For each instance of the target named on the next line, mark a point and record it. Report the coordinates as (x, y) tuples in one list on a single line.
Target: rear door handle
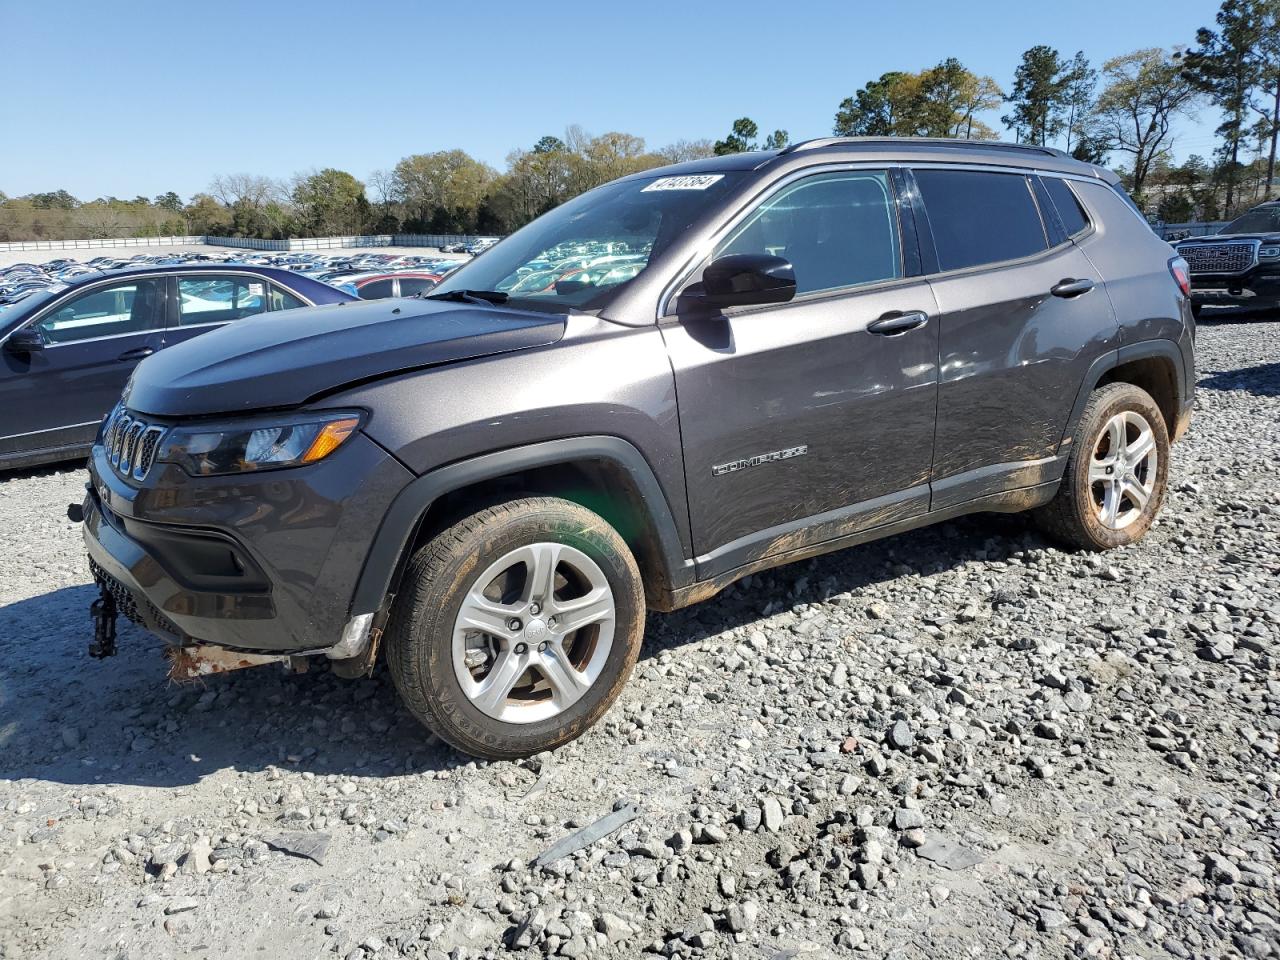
[(138, 354), (1071, 288), (893, 324)]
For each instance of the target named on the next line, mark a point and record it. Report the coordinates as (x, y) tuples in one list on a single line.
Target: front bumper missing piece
[(351, 657)]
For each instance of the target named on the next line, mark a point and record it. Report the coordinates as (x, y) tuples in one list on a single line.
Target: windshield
[(579, 254), (23, 304), (1258, 220)]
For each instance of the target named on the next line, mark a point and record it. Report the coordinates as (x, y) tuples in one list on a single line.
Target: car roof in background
[(197, 266)]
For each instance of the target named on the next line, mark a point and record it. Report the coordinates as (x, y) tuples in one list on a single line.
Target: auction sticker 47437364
[(697, 181)]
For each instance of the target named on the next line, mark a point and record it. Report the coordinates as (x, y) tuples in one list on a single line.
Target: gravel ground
[(961, 742)]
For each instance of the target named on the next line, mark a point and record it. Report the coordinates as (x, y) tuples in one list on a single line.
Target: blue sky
[(142, 96)]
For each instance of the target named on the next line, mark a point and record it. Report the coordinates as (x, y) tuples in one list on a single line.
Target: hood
[(287, 358), (1265, 237)]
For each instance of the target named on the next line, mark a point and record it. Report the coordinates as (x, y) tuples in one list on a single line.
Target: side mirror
[(744, 279), (28, 340)]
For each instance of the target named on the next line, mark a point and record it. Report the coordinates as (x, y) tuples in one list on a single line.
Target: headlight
[(1269, 253), (264, 445)]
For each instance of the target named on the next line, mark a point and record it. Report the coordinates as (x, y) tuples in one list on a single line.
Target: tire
[(1078, 515), (435, 646)]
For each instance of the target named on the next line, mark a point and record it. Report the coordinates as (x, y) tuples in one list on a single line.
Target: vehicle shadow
[(1214, 316), (68, 719), (1262, 380), (42, 470)]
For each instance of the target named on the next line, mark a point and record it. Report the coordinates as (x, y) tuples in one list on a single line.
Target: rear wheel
[(517, 627), (1116, 475)]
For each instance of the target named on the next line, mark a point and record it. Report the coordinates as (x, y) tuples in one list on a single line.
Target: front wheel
[(1116, 474), (517, 627)]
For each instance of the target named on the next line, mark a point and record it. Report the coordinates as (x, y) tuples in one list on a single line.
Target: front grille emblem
[(131, 444)]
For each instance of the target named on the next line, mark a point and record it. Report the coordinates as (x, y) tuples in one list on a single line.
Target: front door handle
[(139, 354), (1071, 288), (896, 323)]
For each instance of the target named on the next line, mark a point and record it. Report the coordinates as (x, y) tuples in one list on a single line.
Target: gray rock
[(901, 736), (771, 814), (905, 818)]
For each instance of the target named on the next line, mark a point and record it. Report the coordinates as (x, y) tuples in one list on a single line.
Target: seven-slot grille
[(131, 444), (1219, 257)]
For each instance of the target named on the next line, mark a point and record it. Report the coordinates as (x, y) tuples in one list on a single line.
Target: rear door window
[(412, 286), (979, 218), (376, 290), (208, 299)]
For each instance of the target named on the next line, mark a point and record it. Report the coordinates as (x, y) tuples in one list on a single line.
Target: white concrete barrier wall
[(20, 245)]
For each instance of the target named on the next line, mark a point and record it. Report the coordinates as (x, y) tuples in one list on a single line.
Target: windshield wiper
[(471, 296)]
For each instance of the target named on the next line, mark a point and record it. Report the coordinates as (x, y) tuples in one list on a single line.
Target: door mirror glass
[(25, 341)]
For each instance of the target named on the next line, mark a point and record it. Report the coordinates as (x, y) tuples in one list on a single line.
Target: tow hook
[(103, 614)]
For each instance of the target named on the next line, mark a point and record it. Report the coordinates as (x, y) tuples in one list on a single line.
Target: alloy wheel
[(533, 633), (1123, 469)]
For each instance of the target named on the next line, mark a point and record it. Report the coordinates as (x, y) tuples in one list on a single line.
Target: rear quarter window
[(1074, 220), (979, 218)]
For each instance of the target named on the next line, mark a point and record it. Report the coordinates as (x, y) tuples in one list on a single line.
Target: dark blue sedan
[(67, 350)]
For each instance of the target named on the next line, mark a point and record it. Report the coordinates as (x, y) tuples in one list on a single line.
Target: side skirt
[(1009, 501)]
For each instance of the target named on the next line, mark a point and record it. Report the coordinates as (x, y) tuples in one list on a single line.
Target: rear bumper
[(266, 563)]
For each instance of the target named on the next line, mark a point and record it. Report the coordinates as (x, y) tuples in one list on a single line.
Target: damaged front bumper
[(262, 569), (113, 556)]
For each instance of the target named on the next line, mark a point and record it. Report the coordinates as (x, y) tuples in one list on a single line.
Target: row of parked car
[(72, 331), (369, 276)]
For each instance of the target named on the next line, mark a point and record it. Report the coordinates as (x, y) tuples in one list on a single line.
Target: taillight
[(1181, 275)]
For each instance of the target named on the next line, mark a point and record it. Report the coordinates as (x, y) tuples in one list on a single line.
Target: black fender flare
[(1108, 361), (400, 525)]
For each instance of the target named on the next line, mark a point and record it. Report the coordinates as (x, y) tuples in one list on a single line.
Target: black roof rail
[(955, 143)]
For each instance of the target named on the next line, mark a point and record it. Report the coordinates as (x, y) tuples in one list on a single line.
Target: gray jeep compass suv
[(663, 385)]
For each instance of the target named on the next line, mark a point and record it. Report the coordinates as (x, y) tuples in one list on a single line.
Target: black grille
[(125, 603), (1219, 257), (131, 444), (134, 607)]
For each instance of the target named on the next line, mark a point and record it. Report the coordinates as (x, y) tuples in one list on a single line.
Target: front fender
[(400, 526)]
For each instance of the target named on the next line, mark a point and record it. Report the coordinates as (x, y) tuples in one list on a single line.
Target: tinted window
[(130, 307), (1069, 210), (284, 300), (980, 217), (219, 299), (411, 286), (376, 290), (838, 230)]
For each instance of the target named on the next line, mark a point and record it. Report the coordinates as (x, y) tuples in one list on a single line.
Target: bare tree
[(1145, 90), (256, 191)]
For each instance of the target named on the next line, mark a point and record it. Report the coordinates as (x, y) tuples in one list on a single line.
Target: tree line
[(1122, 112)]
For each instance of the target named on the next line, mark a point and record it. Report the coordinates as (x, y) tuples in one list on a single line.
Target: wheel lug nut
[(542, 647), (552, 622), (521, 648), (513, 624), (535, 608)]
